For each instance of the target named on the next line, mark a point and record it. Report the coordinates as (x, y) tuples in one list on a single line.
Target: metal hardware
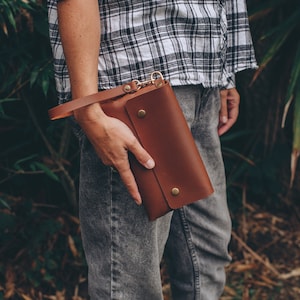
[(141, 113), (154, 76), (127, 88), (159, 84), (175, 191)]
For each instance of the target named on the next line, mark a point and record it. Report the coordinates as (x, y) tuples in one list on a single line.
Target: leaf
[(295, 75), (296, 140), (264, 8), (4, 28), (296, 137), (293, 82), (287, 25), (281, 33), (11, 18), (285, 111), (47, 171), (293, 273), (33, 77), (5, 100), (45, 85), (72, 246), (272, 51), (239, 155), (17, 164), (10, 283), (32, 166), (4, 203)]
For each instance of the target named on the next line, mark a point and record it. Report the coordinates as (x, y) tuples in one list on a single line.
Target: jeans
[(124, 250), (197, 247)]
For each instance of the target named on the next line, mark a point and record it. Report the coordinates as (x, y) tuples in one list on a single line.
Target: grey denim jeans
[(124, 250), (197, 247)]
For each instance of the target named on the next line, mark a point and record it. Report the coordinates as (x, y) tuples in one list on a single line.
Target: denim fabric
[(123, 249), (197, 248)]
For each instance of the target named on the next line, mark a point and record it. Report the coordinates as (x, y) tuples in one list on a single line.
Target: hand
[(112, 139), (230, 100)]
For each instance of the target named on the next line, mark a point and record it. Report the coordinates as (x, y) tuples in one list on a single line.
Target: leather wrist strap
[(66, 109)]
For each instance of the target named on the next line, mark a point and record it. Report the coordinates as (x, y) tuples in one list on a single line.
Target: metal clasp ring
[(154, 76)]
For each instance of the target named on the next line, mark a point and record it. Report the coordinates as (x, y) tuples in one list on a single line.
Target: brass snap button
[(175, 191), (127, 88), (141, 113)]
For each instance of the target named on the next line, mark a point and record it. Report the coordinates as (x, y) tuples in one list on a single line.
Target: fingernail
[(138, 201), (224, 119), (150, 164)]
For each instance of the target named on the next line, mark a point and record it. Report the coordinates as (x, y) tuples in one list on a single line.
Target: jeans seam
[(198, 108), (113, 246), (192, 251)]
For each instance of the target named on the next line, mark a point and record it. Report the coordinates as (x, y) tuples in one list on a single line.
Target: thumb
[(142, 156), (223, 111)]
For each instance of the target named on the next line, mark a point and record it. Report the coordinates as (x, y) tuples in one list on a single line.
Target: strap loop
[(66, 109)]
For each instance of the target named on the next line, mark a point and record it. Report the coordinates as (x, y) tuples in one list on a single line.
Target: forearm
[(79, 26)]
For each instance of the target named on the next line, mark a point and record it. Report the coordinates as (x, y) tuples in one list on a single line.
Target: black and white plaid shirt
[(189, 41)]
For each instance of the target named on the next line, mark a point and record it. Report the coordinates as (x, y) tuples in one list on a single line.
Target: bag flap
[(162, 130)]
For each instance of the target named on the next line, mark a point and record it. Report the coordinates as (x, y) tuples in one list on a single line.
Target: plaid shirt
[(190, 41)]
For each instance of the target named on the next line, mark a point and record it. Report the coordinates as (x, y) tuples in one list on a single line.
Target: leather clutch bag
[(152, 112)]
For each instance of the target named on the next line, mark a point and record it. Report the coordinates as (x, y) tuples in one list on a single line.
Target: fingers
[(230, 100), (225, 127), (141, 154), (223, 109), (112, 140), (123, 167), (129, 182), (125, 172)]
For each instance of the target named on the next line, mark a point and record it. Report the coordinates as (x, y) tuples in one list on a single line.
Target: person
[(198, 46)]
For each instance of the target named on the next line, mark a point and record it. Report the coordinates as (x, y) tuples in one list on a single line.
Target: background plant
[(261, 152), (40, 250), (284, 50), (261, 161)]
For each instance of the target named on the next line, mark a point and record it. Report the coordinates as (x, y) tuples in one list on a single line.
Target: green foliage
[(39, 236), (257, 152), (9, 11), (25, 94), (284, 49)]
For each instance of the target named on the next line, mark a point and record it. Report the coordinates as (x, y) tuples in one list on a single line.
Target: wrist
[(89, 113), (80, 88)]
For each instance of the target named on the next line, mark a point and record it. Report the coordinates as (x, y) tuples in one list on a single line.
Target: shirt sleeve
[(240, 53)]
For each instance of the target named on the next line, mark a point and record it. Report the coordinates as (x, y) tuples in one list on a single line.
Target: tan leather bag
[(152, 112)]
